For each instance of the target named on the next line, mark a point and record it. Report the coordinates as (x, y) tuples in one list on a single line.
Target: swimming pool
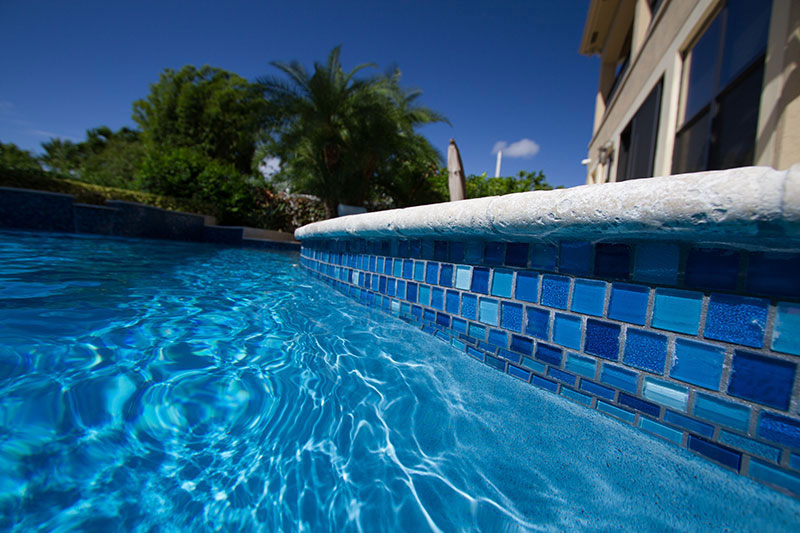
[(192, 386)]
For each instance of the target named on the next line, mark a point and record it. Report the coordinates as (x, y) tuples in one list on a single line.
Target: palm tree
[(337, 133)]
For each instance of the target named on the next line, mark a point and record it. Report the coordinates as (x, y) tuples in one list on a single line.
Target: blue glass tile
[(511, 356), (486, 347), (527, 287), (715, 452), (628, 303), (459, 325), (786, 331), (698, 363), (427, 249), (645, 350), (588, 297), (469, 306), (774, 273), (382, 285), (452, 302), (411, 292), (619, 378), (575, 258), (419, 271), (597, 390), (677, 311), (437, 298), (473, 253), (536, 366), (477, 354), (408, 269), (494, 362), (493, 253), (521, 344), (615, 411), (754, 448), (517, 254), (416, 311), (765, 380), (695, 426), (424, 294), (555, 291), (576, 396), (560, 375), (543, 257), (794, 461), (502, 282), (538, 323), (429, 315), (498, 338), (372, 263), (432, 273), (463, 277), (657, 263), (736, 319), (488, 311), (401, 289), (480, 280), (774, 476), (710, 268), (511, 316), (456, 252), (402, 248), (612, 260), (415, 248), (545, 383), (666, 393), (548, 354), (661, 430), (723, 412), (602, 339), (440, 250), (780, 429), (477, 331), (405, 308), (567, 331), (446, 276), (517, 372), (398, 268), (639, 405), (585, 366)]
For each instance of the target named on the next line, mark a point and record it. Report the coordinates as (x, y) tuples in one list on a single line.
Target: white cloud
[(521, 148), (50, 134)]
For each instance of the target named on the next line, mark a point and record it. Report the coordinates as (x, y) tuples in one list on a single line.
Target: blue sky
[(502, 72)]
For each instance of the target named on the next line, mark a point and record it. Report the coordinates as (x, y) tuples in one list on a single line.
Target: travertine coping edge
[(754, 205)]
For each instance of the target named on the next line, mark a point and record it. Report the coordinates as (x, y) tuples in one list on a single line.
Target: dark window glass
[(746, 30), (690, 145), (701, 64), (637, 149)]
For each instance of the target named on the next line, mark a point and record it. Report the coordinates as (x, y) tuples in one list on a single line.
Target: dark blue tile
[(387, 266), (645, 350), (575, 258), (715, 452), (390, 286), (511, 316), (498, 338), (544, 383), (437, 298), (711, 268), (602, 339), (415, 249), (429, 315), (612, 261), (517, 254), (402, 249), (446, 275), (480, 280), (548, 354), (408, 269), (416, 311), (736, 319), (527, 288), (443, 320), (492, 361), (477, 354), (597, 390), (619, 378), (640, 405), (382, 285), (780, 429), (459, 325), (765, 380), (432, 273), (543, 257), (456, 252), (451, 300), (519, 373), (560, 375), (521, 344), (538, 323), (683, 421), (511, 356), (469, 306), (440, 250), (774, 273), (493, 253), (411, 292), (555, 291), (628, 303)]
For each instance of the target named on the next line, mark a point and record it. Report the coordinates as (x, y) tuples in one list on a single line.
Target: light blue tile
[(616, 411), (477, 331), (488, 311), (424, 295), (661, 430), (536, 366), (419, 270), (786, 333), (666, 393), (585, 366), (677, 311), (733, 415), (698, 363), (588, 297), (619, 378), (775, 476), (502, 282), (755, 448), (567, 331), (576, 396), (463, 277)]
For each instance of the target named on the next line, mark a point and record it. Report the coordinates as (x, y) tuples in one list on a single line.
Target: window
[(622, 63), (637, 145), (722, 77)]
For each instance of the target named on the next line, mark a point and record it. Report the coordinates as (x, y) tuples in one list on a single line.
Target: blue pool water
[(157, 385)]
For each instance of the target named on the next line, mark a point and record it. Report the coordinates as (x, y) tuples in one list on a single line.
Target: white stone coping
[(749, 204)]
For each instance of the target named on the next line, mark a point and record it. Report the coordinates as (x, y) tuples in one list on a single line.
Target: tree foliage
[(14, 158)]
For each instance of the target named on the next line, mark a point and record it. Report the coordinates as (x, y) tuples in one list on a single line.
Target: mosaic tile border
[(695, 344)]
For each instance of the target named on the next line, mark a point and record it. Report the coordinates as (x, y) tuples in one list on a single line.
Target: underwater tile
[(419, 270), (661, 430), (502, 282), (511, 316), (638, 404), (666, 393), (446, 275), (473, 252), (715, 452), (463, 277), (432, 273), (698, 363), (538, 323), (588, 297), (615, 411), (408, 269), (493, 253), (443, 320), (457, 251), (560, 375), (411, 292), (628, 303), (602, 339), (598, 390), (585, 366), (774, 273), (685, 422), (469, 306), (424, 296), (544, 383), (612, 261), (786, 331), (520, 373), (714, 409), (575, 258), (488, 311), (737, 319), (548, 354), (477, 331), (761, 379), (645, 350), (527, 287), (437, 298), (678, 311), (451, 302), (440, 250), (480, 280), (543, 257), (576, 396), (516, 254), (555, 291), (536, 366), (780, 429), (522, 344), (712, 268), (619, 378), (427, 249), (498, 338), (459, 325), (749, 445), (567, 331), (774, 475)]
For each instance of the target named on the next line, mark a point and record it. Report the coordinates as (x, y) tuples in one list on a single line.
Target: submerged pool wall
[(671, 304)]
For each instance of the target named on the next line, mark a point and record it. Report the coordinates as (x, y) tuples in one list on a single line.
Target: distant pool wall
[(32, 210), (672, 304)]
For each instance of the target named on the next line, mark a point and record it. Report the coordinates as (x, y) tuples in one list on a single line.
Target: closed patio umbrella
[(455, 169)]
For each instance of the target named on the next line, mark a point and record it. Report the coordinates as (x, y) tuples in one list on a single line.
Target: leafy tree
[(480, 186), (62, 156), (213, 111), (14, 158), (340, 136)]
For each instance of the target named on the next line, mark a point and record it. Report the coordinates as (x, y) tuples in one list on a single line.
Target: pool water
[(170, 386)]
